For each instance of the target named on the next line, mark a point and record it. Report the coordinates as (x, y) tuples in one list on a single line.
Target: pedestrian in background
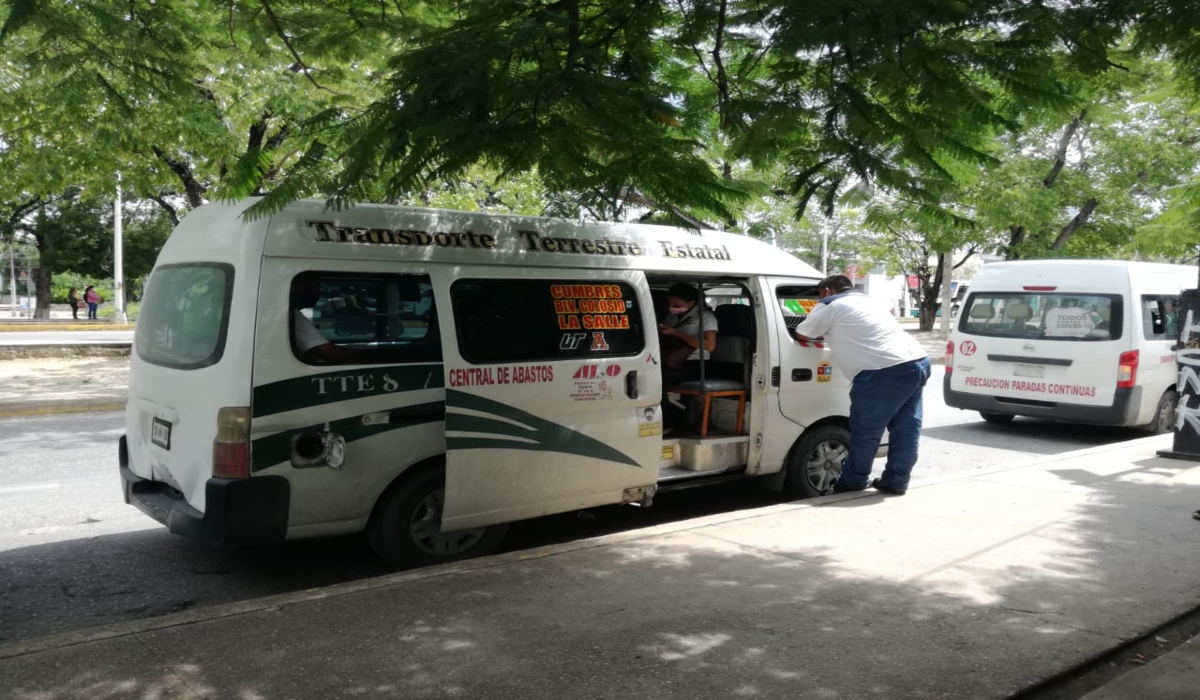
[(73, 301), (887, 369), (93, 300)]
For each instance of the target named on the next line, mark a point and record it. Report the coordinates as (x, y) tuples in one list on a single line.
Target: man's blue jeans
[(885, 398)]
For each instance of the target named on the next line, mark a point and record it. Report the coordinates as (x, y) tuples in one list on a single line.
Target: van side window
[(508, 320), (385, 319), (1160, 317)]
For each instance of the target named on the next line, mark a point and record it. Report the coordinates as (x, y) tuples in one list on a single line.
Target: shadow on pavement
[(74, 584), (974, 588), (1031, 435)]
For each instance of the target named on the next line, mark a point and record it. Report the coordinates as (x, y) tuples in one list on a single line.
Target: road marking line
[(31, 487)]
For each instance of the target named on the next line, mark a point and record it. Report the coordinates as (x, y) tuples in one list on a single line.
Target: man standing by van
[(887, 368)]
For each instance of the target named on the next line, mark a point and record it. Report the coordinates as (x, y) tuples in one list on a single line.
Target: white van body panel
[(393, 417), (189, 400), (1045, 339)]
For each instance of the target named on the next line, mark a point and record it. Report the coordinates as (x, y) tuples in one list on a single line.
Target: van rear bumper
[(236, 511), (1123, 411)]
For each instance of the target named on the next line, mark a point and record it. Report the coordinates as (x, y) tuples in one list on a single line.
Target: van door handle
[(802, 375), (631, 385)]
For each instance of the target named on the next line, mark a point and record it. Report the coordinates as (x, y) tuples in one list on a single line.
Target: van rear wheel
[(997, 418), (816, 462), (405, 531), (1164, 413)]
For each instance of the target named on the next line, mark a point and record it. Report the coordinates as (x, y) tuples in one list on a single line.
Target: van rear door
[(552, 391), (183, 371), (1041, 346)]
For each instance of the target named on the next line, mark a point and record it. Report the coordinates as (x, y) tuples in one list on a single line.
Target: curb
[(41, 350), (47, 407), (133, 627), (43, 328)]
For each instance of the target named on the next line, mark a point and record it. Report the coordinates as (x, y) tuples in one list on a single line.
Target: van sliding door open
[(552, 391)]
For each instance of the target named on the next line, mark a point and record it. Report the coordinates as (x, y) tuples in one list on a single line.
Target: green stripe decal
[(332, 387), (271, 450), (540, 435)]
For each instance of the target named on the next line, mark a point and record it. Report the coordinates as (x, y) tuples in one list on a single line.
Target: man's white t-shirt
[(307, 336), (862, 334)]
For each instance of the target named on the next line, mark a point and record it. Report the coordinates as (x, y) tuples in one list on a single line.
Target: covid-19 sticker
[(824, 372)]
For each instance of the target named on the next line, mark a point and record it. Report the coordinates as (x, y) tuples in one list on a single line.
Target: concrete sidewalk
[(975, 586), (47, 385)]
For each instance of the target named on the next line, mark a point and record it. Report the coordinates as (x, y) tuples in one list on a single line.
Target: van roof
[(376, 232), (1089, 273)]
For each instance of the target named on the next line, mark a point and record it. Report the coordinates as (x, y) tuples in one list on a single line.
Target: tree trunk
[(1016, 236), (42, 280)]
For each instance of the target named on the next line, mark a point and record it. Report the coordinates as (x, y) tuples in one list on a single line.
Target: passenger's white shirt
[(862, 334), (689, 324), (307, 335)]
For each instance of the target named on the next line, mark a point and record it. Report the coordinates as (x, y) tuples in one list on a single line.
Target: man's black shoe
[(878, 485), (839, 488)]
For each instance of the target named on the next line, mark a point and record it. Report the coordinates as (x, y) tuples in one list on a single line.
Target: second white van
[(1078, 341)]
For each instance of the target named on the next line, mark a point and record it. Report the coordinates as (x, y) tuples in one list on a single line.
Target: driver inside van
[(310, 344)]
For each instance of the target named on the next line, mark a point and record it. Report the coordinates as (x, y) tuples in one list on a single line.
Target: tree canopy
[(696, 109)]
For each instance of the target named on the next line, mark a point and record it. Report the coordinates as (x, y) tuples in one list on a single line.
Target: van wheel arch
[(414, 498)]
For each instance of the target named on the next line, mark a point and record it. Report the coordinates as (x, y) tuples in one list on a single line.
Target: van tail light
[(231, 448), (949, 357), (1127, 370)]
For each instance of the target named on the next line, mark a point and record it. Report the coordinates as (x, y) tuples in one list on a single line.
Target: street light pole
[(118, 262), (824, 251), (12, 277)]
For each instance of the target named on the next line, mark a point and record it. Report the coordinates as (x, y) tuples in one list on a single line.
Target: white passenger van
[(487, 369), (1078, 341)]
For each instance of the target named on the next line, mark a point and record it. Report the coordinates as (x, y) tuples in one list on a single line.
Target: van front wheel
[(1164, 413), (997, 418), (405, 531)]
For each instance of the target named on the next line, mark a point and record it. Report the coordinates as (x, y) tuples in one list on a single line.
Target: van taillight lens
[(1127, 370), (949, 357), (231, 448)]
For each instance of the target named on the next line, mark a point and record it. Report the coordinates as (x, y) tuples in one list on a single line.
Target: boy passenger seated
[(681, 345)]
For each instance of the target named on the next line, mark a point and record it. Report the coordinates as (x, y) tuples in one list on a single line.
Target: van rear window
[(1043, 315), (185, 315)]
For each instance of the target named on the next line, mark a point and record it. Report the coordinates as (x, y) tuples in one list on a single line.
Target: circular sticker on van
[(967, 348)]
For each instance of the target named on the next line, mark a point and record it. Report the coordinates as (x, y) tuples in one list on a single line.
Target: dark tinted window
[(1044, 315), (525, 320), (1160, 317), (185, 315), (391, 317)]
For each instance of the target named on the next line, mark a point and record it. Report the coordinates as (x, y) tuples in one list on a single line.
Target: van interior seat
[(727, 371), (1018, 312), (982, 312)]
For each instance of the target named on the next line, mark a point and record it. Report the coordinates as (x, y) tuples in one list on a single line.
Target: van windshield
[(184, 315), (1043, 315)]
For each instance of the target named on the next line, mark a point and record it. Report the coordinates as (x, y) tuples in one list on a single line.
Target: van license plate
[(1033, 371), (160, 433)]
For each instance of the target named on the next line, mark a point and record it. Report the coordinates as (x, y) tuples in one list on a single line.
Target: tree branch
[(279, 31), (1075, 224), (970, 252), (192, 187), (1060, 154), (166, 206), (722, 75)]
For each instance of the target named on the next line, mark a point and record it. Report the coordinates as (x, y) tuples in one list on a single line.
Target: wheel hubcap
[(426, 525), (824, 464)]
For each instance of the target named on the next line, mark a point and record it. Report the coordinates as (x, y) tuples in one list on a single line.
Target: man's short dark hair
[(836, 284)]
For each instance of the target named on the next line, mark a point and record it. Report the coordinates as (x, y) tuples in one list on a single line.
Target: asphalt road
[(97, 337), (73, 555)]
